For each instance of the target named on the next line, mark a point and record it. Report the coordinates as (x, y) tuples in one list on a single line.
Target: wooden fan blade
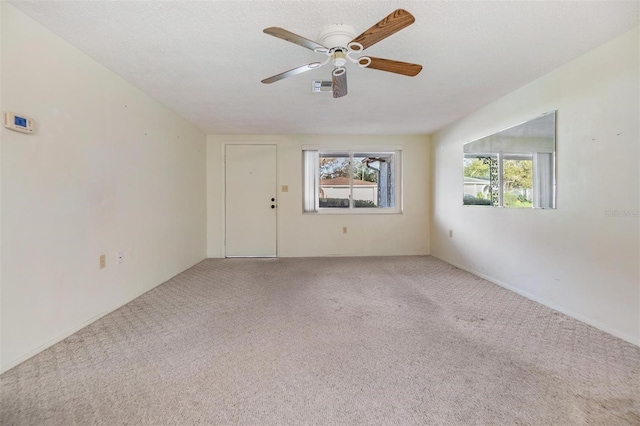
[(295, 71), (397, 20), (340, 85), (404, 68), (293, 38)]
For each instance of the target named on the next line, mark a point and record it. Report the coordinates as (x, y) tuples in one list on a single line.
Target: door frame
[(223, 190)]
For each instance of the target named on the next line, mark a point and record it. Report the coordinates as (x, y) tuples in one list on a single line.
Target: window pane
[(480, 181), (373, 180), (365, 181), (517, 178), (335, 190)]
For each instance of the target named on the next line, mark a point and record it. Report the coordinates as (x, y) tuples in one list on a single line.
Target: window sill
[(361, 211)]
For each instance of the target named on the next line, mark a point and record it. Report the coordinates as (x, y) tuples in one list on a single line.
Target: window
[(351, 181)]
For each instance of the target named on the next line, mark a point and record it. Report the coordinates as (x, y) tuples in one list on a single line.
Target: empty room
[(319, 212)]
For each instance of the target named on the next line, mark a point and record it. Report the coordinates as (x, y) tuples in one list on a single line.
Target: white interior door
[(250, 206)]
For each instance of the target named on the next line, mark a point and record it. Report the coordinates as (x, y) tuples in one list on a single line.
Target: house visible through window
[(351, 181)]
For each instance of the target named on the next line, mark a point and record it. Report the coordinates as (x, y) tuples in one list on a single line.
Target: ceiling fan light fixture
[(339, 58)]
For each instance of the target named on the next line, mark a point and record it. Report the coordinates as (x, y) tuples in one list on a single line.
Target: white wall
[(577, 259), (321, 235), (109, 169)]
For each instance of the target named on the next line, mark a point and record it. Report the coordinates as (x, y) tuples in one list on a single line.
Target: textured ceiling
[(205, 59)]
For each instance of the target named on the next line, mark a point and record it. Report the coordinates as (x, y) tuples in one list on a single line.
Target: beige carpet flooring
[(381, 341)]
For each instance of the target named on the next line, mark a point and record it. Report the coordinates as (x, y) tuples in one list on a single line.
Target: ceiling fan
[(343, 44)]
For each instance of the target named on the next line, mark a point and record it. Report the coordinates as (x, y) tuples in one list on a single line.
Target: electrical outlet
[(119, 257), (103, 261), (344, 229), (285, 188)]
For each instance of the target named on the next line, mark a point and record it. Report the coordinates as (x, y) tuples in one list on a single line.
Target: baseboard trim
[(594, 323), (61, 337)]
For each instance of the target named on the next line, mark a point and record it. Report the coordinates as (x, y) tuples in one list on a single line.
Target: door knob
[(272, 206), (273, 199)]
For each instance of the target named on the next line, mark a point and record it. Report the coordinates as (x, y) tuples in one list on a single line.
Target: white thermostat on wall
[(18, 122)]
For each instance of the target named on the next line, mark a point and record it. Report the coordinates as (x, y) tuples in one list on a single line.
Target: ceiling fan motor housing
[(337, 35)]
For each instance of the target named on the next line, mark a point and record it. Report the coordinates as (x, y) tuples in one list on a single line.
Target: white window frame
[(311, 180)]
